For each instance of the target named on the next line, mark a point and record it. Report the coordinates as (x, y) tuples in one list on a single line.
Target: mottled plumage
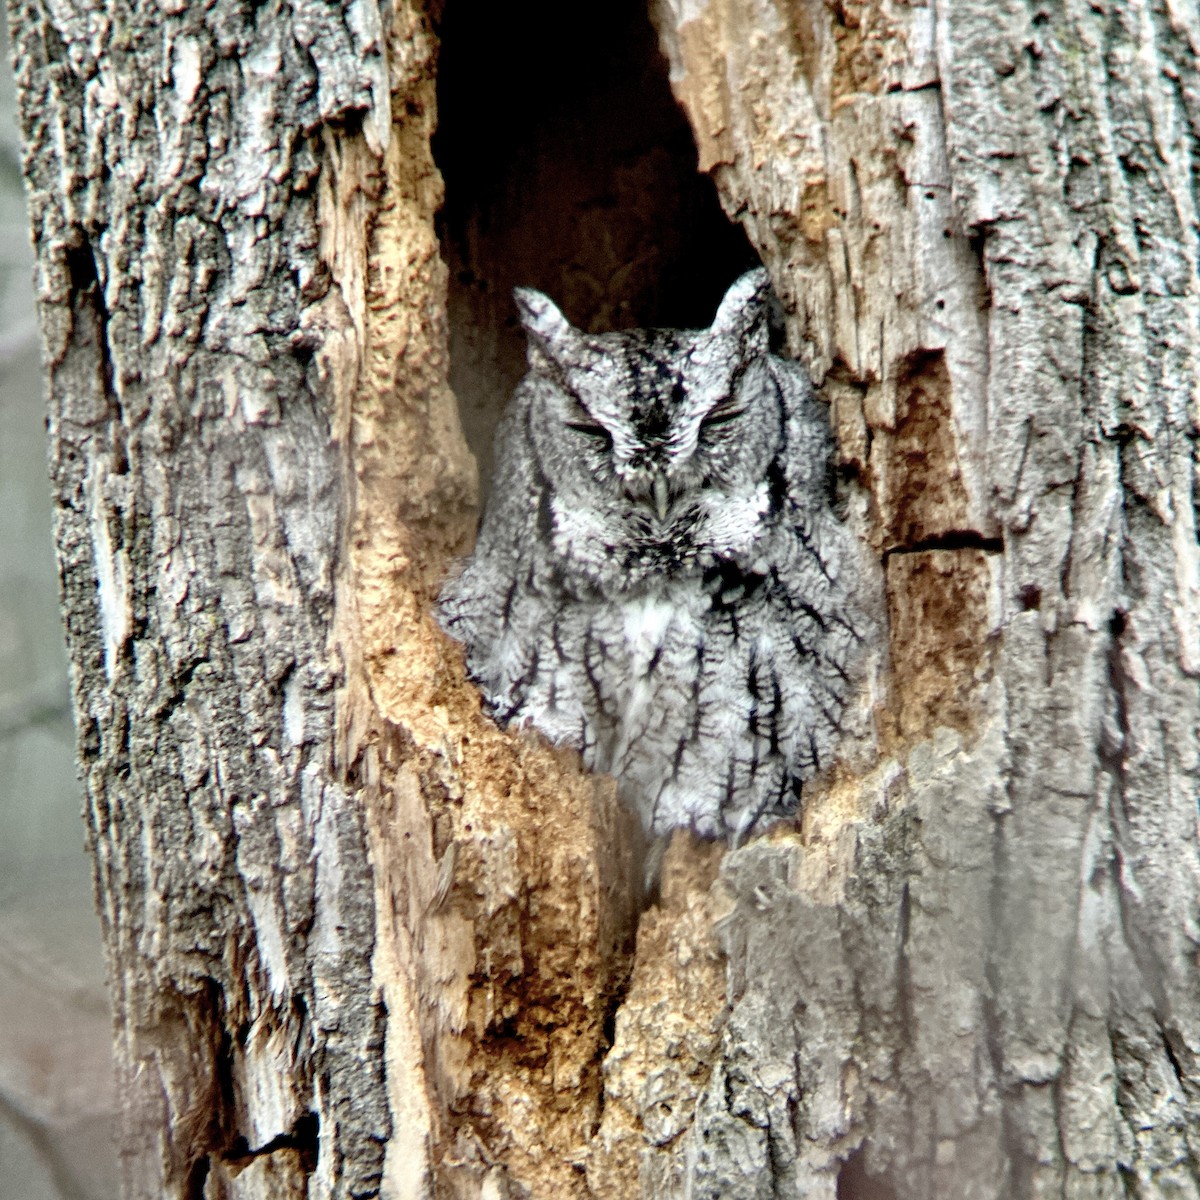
[(660, 579)]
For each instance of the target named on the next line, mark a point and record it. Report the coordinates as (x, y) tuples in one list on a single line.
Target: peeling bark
[(360, 941)]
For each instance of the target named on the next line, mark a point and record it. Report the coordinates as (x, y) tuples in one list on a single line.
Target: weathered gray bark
[(172, 163), (361, 941)]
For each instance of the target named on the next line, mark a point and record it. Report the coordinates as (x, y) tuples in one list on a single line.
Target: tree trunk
[(982, 218), (360, 941)]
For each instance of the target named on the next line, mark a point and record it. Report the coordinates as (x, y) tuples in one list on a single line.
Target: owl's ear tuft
[(743, 312), (551, 335)]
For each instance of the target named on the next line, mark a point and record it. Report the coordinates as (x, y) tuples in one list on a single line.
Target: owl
[(661, 579)]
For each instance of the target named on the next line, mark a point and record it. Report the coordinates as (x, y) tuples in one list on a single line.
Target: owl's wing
[(820, 576), (495, 602), (807, 452)]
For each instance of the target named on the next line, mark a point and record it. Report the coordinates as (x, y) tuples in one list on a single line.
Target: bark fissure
[(952, 539), (302, 1139)]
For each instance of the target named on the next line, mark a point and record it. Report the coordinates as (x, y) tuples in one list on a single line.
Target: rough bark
[(362, 942)]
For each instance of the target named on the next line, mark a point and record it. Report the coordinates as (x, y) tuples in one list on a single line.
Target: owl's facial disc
[(661, 427)]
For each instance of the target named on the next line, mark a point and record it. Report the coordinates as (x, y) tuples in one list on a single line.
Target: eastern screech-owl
[(660, 579)]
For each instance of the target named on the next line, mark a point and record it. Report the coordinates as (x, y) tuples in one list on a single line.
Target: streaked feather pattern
[(660, 578)]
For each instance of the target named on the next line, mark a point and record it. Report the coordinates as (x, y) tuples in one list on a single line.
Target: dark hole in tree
[(854, 1183), (568, 167)]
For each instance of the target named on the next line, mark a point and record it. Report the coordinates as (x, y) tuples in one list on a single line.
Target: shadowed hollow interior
[(568, 167)]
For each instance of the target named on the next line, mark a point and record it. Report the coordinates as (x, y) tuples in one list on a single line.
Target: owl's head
[(658, 442)]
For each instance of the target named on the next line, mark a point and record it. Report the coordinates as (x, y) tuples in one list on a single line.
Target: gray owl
[(660, 579)]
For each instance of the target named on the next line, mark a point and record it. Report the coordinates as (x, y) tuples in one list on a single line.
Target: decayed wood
[(503, 877), (361, 941)]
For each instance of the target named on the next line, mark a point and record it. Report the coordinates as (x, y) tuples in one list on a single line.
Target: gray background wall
[(56, 1093)]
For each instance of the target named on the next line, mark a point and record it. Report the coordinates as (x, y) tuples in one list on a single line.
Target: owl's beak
[(662, 497)]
